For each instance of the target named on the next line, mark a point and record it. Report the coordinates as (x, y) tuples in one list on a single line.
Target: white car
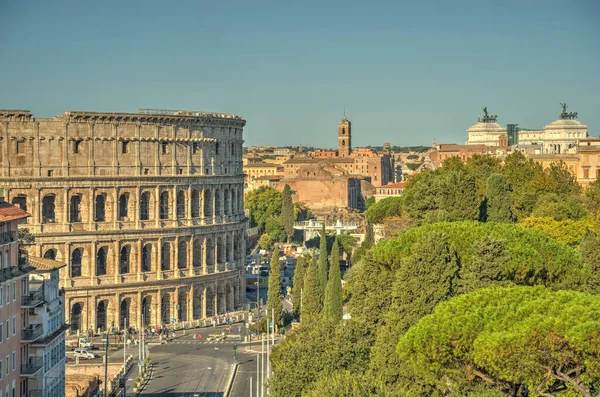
[(81, 353)]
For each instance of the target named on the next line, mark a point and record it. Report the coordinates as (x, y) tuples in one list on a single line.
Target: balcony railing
[(33, 299), (31, 332), (8, 237), (33, 365)]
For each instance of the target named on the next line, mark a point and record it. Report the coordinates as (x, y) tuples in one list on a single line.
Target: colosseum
[(146, 209)]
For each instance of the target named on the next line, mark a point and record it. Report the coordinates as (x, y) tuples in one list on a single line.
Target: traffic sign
[(174, 320)]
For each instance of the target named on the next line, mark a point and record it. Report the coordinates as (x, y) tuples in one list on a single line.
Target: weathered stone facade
[(146, 209)]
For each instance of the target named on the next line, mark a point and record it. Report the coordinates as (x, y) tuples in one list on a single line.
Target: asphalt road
[(191, 367)]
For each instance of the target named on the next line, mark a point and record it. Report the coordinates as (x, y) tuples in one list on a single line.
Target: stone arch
[(100, 208), (197, 253), (236, 295), (197, 301), (123, 207), (75, 317), (146, 264), (182, 306), (182, 254), (165, 308), (50, 254), (101, 261), (210, 252), (228, 248), (210, 302), (145, 206), (236, 246), (181, 204), (125, 259), (226, 202), (49, 208), (228, 298), (76, 262), (218, 203), (234, 199), (164, 205), (208, 199), (146, 310), (196, 203), (124, 313), (220, 250), (75, 208), (102, 315), (20, 200), (165, 259), (221, 299)]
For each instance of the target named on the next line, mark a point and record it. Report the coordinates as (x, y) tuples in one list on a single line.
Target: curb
[(145, 383), (231, 379)]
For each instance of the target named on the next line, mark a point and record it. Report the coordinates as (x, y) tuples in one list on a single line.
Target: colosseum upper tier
[(146, 209)]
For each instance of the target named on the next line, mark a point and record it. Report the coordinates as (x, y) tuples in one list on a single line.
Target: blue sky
[(407, 72)]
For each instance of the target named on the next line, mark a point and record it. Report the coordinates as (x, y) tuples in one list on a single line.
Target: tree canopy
[(515, 338), (263, 203)]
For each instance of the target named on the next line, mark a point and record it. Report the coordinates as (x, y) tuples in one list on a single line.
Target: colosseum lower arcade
[(146, 209)]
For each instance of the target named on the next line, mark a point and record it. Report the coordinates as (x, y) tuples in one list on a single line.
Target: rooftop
[(9, 212), (45, 264)]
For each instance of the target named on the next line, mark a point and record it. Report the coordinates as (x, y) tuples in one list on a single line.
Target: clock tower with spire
[(344, 137)]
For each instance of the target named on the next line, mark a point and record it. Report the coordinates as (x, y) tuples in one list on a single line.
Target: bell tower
[(344, 137)]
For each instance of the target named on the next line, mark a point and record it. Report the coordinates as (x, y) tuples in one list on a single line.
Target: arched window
[(343, 131), (123, 206), (101, 315), (164, 205), (165, 308), (195, 204), (197, 254), (76, 263), (147, 258), (101, 261), (20, 201), (181, 204), (76, 317), (210, 252), (208, 203), (343, 142), (145, 206), (124, 259), (220, 251), (50, 254), (182, 255), (124, 320), (218, 201), (165, 260), (101, 208), (48, 207), (227, 201), (75, 208)]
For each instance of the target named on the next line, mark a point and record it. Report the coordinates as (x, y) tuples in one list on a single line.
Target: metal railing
[(31, 332), (32, 299), (33, 365)]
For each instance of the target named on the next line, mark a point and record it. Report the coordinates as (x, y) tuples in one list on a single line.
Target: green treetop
[(517, 338), (274, 293), (498, 197), (263, 203), (332, 309), (287, 212), (322, 269), (299, 282), (311, 304)]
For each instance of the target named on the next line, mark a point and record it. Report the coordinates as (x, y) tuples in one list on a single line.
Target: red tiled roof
[(9, 212), (397, 185)]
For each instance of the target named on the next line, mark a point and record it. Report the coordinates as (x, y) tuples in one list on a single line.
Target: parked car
[(81, 353)]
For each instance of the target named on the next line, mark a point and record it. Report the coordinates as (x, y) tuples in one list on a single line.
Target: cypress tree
[(274, 292), (333, 310), (498, 198), (299, 282), (311, 305), (287, 212), (322, 269)]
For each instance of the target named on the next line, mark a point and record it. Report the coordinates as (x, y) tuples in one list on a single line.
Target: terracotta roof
[(9, 212), (45, 264), (261, 165), (397, 185)]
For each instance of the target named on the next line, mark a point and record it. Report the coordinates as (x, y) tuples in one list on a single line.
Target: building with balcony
[(145, 209), (44, 365), (15, 331)]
